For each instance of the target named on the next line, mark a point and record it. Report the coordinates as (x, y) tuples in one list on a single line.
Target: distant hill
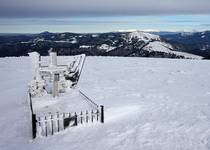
[(127, 44), (197, 43)]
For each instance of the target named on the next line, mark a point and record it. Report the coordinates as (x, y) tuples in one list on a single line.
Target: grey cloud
[(42, 8)]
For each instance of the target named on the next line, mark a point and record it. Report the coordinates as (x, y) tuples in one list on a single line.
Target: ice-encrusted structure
[(53, 78)]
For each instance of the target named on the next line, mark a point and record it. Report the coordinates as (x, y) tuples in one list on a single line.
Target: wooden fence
[(52, 123)]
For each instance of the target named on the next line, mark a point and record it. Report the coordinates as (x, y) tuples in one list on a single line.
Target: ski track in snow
[(150, 104)]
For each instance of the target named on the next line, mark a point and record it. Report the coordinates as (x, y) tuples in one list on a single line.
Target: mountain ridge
[(136, 43)]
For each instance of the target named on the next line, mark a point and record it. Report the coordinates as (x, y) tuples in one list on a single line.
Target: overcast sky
[(63, 8), (106, 24), (34, 16)]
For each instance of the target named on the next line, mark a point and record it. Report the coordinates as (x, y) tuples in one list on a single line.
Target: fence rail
[(88, 99)]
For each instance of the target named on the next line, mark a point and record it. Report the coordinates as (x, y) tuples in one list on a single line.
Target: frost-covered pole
[(55, 76), (55, 84), (53, 59), (35, 60)]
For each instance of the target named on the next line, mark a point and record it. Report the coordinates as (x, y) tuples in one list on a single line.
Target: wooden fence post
[(33, 126), (58, 123), (92, 115), (81, 118), (97, 113), (52, 124), (86, 116), (31, 105), (45, 125), (64, 115), (102, 113), (75, 119)]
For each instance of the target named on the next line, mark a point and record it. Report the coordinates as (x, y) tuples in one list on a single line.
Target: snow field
[(151, 104)]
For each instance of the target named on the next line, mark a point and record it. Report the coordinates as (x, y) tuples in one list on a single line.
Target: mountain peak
[(143, 36), (45, 33)]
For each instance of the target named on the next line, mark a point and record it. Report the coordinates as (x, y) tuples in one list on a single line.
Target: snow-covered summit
[(155, 46), (143, 36)]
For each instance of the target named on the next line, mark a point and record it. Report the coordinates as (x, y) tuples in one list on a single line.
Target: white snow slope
[(167, 48), (143, 36), (156, 44), (150, 104)]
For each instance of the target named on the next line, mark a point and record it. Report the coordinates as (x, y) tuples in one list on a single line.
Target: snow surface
[(159, 46), (73, 40), (85, 46), (150, 104), (69, 102), (167, 48), (106, 47), (39, 40), (95, 35), (203, 36)]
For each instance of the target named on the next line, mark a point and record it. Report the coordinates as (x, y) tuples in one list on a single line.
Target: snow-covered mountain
[(143, 36), (136, 43), (154, 44), (197, 43)]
